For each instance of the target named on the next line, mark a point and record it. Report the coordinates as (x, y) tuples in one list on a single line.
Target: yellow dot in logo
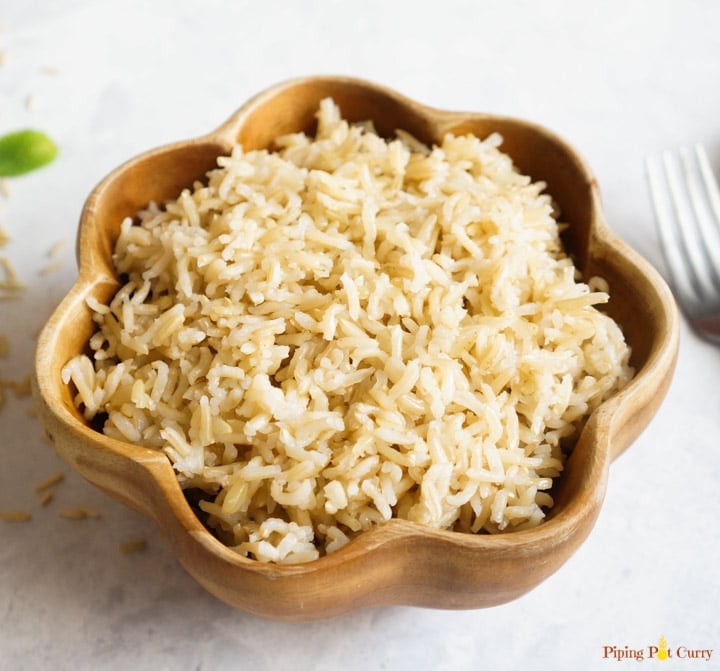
[(662, 649)]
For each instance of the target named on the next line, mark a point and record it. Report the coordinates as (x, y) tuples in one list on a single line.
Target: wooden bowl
[(398, 562)]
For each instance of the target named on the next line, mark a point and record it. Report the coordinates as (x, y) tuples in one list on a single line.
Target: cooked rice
[(51, 70), (46, 487), (134, 546), (51, 267), (78, 513), (53, 253), (347, 330), (57, 249), (21, 387), (10, 285), (50, 481), (4, 237), (15, 515), (46, 497)]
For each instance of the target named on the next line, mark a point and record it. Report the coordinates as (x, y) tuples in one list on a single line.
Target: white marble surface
[(108, 79)]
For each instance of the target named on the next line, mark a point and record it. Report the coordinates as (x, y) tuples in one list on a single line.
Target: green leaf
[(24, 151)]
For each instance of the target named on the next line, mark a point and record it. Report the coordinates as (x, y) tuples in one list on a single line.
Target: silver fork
[(686, 199)]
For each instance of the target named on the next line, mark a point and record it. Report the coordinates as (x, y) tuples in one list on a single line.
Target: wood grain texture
[(397, 562)]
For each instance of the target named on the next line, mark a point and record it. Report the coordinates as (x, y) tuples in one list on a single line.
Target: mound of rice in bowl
[(349, 329)]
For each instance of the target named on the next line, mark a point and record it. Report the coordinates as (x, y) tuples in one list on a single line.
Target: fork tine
[(667, 231), (684, 187), (708, 211)]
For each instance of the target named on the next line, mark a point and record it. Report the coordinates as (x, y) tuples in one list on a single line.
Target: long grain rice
[(349, 329)]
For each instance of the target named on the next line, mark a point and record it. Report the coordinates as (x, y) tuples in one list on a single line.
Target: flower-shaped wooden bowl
[(398, 562)]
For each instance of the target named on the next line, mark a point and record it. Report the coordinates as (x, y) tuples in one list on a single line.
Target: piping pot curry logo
[(660, 651)]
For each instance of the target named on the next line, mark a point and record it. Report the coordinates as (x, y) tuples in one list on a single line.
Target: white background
[(619, 79)]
